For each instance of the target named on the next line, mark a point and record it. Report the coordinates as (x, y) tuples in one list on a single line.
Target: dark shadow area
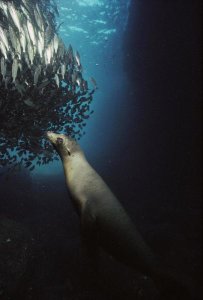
[(163, 152), (40, 250)]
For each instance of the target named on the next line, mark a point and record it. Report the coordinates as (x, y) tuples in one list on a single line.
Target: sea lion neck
[(75, 155), (73, 166)]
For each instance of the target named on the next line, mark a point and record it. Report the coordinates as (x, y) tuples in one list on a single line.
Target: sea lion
[(104, 221)]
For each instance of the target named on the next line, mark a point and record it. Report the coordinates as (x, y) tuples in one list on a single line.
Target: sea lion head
[(64, 145)]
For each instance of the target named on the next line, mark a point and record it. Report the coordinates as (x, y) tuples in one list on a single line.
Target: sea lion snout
[(54, 138), (50, 136)]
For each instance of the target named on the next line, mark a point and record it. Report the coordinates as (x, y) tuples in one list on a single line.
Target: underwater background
[(144, 139)]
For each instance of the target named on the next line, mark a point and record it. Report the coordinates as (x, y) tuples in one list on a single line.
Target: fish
[(20, 67), (14, 69), (63, 70), (56, 43), (84, 85), (77, 58), (4, 8), (61, 49), (77, 120), (48, 54), (3, 38), (3, 49), (14, 15), (12, 36), (37, 73), (26, 58), (32, 168), (31, 32), (29, 102), (3, 67), (94, 83), (85, 116), (18, 48), (24, 9), (20, 88), (70, 53), (30, 51), (40, 43), (38, 17), (56, 78), (28, 164), (78, 80), (41, 83), (74, 77), (48, 35), (26, 32), (55, 7), (23, 41)]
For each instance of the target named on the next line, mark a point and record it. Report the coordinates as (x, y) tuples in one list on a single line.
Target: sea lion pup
[(104, 222)]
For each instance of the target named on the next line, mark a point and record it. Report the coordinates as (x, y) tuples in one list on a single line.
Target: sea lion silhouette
[(104, 222)]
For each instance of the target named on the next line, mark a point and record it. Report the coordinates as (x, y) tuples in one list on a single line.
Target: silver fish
[(3, 49), (48, 35), (56, 43), (4, 8), (56, 78), (61, 49), (38, 18), (23, 40), (63, 70), (14, 69), (18, 48), (6, 81), (40, 43), (31, 32), (79, 79), (13, 37), (20, 67), (48, 55), (29, 102), (74, 77), (70, 53), (25, 29), (77, 58), (30, 53), (3, 38), (25, 11), (20, 88), (37, 73), (27, 59), (94, 82), (14, 15), (43, 84), (3, 67)]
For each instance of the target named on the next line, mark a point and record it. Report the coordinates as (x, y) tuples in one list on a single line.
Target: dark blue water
[(143, 139)]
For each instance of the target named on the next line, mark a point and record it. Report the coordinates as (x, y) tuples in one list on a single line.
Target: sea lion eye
[(59, 140), (69, 152)]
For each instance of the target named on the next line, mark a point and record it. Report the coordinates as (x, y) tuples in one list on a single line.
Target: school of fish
[(41, 84)]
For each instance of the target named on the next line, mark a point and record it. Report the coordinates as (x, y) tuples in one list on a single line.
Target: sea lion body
[(104, 221)]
